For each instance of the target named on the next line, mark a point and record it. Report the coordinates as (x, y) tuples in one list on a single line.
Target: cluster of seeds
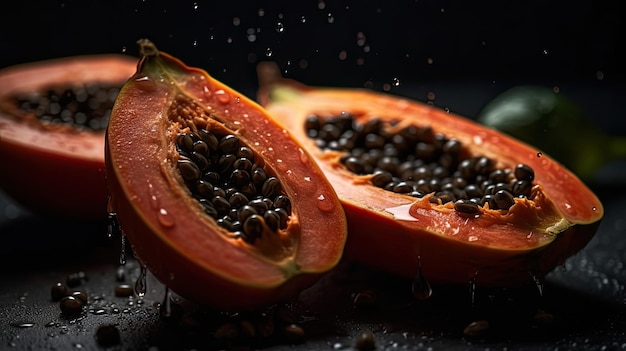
[(85, 106), (221, 172), (416, 160)]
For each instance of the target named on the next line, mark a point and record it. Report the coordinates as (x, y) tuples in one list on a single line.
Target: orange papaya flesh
[(397, 233), (167, 228), (52, 168)]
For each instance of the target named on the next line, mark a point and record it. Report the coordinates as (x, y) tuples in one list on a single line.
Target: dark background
[(545, 41), (457, 55)]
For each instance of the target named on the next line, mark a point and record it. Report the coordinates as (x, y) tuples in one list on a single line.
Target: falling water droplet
[(113, 227), (331, 19), (140, 284), (268, 52), (538, 283), (123, 250), (280, 27), (396, 82), (472, 289), (421, 287), (166, 305)]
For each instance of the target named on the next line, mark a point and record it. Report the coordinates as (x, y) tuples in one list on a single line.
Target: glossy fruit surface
[(399, 233), (52, 167), (169, 229)]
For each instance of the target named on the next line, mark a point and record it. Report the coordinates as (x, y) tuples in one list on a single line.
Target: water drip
[(421, 287), (538, 283), (123, 251), (472, 289), (166, 306), (140, 284)]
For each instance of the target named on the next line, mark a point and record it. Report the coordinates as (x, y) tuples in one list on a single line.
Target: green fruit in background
[(554, 124)]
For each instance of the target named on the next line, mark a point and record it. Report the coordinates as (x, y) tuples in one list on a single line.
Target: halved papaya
[(426, 189), (221, 204), (52, 156)]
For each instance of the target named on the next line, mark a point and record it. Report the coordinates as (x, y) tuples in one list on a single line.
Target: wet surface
[(582, 304)]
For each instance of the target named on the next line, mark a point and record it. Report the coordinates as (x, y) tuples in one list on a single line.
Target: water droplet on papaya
[(143, 78), (539, 154), (401, 213), (594, 208), (324, 204), (304, 158), (165, 218), (222, 96)]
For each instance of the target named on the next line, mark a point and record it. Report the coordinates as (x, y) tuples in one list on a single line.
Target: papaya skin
[(398, 233), (55, 170), (170, 234)]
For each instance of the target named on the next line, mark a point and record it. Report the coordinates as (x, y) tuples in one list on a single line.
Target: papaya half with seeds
[(425, 188), (53, 115), (219, 202)]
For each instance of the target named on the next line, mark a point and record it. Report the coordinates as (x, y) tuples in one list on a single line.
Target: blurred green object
[(554, 125)]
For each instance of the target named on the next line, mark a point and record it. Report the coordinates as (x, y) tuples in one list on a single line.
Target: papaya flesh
[(166, 225), (398, 233), (55, 168)]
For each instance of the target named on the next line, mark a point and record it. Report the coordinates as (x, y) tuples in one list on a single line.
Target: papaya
[(217, 201), (431, 194), (53, 115)]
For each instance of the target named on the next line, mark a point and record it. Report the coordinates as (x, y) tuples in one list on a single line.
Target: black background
[(458, 55)]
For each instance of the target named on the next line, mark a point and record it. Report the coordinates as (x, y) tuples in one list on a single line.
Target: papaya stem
[(147, 48)]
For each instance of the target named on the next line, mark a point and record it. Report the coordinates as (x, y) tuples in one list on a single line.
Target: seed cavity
[(417, 160), (234, 187), (85, 107)]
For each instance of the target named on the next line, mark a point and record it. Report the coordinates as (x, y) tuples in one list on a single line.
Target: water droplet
[(236, 21), (321, 4), (140, 283), (599, 75), (280, 27), (303, 19), (123, 251), (222, 96), (22, 325), (396, 82), (166, 306), (594, 209), (268, 52), (472, 289), (324, 203), (165, 218), (421, 287), (539, 154), (430, 61), (401, 213), (195, 5), (538, 283), (343, 55)]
